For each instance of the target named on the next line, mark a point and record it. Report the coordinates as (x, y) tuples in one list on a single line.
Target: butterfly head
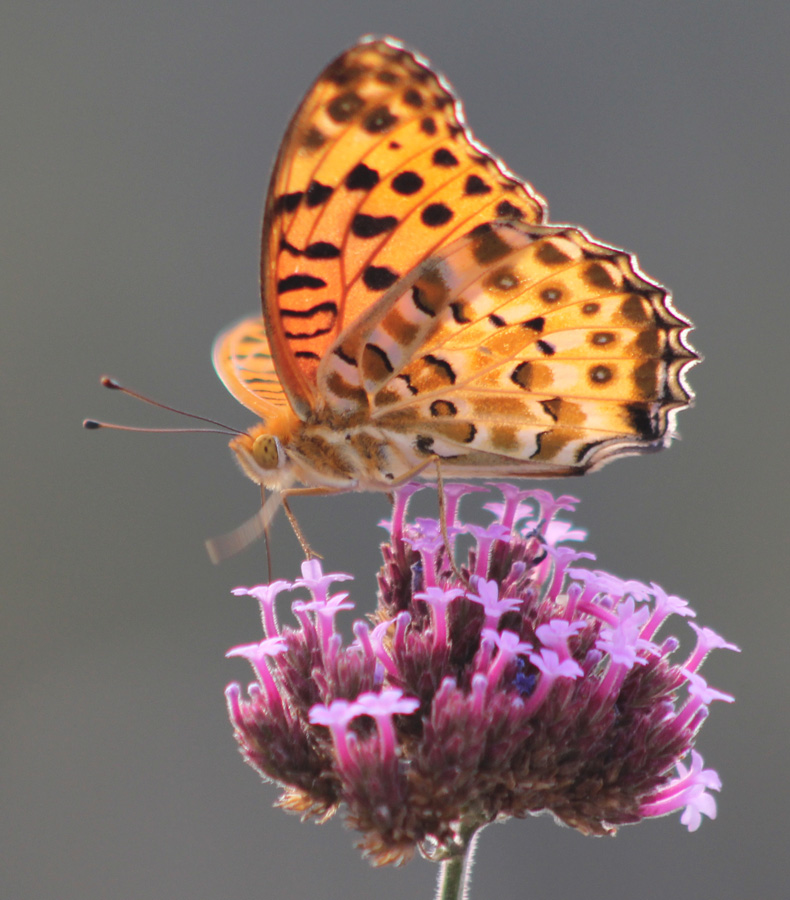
[(262, 455)]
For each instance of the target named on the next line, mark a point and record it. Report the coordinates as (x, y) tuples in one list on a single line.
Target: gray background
[(136, 143)]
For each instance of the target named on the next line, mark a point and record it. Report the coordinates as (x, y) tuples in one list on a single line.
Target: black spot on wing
[(317, 194), (316, 250), (444, 158), (459, 311), (597, 276), (600, 374), (475, 185), (322, 250), (328, 306), (299, 282), (551, 255), (488, 247), (288, 202), (602, 338), (632, 308), (503, 279), (362, 178), (313, 138), (407, 183), (342, 71), (508, 210), (379, 120), (643, 423), (379, 278), (365, 226), (345, 106), (436, 214), (551, 295), (424, 443)]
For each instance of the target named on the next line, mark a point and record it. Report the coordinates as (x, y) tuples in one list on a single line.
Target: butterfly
[(422, 319)]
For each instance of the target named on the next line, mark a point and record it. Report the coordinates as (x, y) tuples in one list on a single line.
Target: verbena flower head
[(516, 683)]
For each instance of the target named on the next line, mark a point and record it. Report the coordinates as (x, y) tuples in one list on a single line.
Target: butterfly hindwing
[(526, 348)]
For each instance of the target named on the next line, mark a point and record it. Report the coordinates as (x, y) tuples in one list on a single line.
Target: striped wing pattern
[(411, 288), (376, 173), (519, 343)]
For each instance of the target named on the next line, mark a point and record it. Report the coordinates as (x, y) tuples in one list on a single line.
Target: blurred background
[(137, 140)]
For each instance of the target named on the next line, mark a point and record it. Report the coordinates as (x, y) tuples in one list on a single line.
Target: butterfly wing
[(377, 172), (407, 278), (519, 349), (244, 363)]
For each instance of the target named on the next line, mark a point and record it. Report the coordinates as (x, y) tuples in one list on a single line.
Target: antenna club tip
[(106, 381), (91, 424)]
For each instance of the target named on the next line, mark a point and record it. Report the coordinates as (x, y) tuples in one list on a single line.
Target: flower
[(513, 683)]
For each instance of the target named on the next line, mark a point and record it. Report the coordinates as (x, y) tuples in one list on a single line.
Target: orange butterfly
[(420, 319)]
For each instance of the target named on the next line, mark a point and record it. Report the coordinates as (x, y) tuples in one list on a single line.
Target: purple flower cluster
[(521, 682)]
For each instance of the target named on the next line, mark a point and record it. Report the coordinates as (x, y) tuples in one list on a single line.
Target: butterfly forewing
[(377, 172)]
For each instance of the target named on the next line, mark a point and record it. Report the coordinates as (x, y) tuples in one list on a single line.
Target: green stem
[(455, 874)]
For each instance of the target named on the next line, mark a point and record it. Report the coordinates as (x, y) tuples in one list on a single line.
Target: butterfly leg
[(443, 522), (305, 492)]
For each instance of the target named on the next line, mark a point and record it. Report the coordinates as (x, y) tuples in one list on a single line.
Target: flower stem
[(455, 874)]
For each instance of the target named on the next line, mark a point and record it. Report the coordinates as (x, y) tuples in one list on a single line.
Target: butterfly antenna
[(93, 424), (113, 385)]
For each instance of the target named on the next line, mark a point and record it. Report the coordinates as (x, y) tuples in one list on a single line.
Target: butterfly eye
[(267, 452)]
